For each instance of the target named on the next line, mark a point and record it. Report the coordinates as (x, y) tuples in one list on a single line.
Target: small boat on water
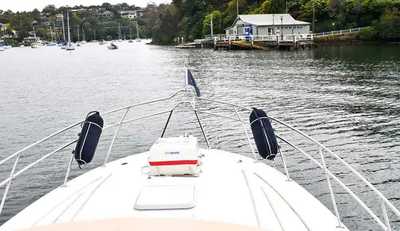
[(3, 46), (70, 47), (35, 45), (112, 46), (186, 46), (63, 45), (180, 183)]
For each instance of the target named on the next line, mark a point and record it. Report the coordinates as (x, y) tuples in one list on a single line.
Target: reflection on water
[(346, 97)]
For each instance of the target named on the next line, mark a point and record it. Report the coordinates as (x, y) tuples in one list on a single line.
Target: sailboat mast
[(63, 28), (119, 31), (69, 34), (77, 27), (137, 31), (212, 27), (51, 33)]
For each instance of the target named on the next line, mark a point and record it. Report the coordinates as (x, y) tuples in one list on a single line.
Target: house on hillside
[(107, 14), (131, 14), (264, 25)]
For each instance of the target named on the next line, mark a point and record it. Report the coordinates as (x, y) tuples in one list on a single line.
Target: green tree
[(165, 30), (216, 16), (389, 25), (277, 7), (264, 8), (50, 10)]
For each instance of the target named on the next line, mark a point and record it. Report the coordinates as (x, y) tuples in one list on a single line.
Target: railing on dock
[(292, 38), (272, 38), (384, 221), (339, 32)]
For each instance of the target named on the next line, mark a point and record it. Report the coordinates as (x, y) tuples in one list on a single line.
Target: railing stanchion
[(385, 216), (115, 136), (284, 164), (201, 128), (247, 134), (3, 200), (68, 170), (328, 180)]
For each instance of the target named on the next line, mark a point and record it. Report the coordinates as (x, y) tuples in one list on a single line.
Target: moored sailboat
[(69, 46), (137, 33)]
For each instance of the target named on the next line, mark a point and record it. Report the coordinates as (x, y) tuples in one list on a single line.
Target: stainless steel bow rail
[(383, 222)]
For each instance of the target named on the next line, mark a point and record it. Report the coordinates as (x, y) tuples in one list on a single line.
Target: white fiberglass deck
[(231, 189)]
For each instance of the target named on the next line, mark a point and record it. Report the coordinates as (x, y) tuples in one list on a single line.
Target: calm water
[(346, 97)]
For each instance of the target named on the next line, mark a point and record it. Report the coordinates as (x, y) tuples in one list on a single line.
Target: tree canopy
[(191, 19)]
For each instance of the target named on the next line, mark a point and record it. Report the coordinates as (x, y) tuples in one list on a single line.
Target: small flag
[(190, 81)]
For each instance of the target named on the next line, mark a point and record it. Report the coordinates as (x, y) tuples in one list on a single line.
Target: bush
[(368, 34), (389, 25)]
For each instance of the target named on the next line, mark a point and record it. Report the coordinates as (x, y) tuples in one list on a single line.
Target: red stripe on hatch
[(172, 162)]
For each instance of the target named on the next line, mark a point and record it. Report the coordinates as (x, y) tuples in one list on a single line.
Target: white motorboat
[(70, 47), (35, 45), (2, 48), (178, 185)]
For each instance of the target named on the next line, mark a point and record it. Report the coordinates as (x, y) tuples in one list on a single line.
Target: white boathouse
[(267, 26)]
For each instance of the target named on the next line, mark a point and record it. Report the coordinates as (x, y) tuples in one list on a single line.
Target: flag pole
[(186, 80), (237, 7)]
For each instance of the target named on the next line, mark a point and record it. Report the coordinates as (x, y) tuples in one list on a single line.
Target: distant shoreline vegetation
[(189, 20)]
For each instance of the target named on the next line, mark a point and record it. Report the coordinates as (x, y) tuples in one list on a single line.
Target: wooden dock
[(218, 42), (268, 42), (288, 42)]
